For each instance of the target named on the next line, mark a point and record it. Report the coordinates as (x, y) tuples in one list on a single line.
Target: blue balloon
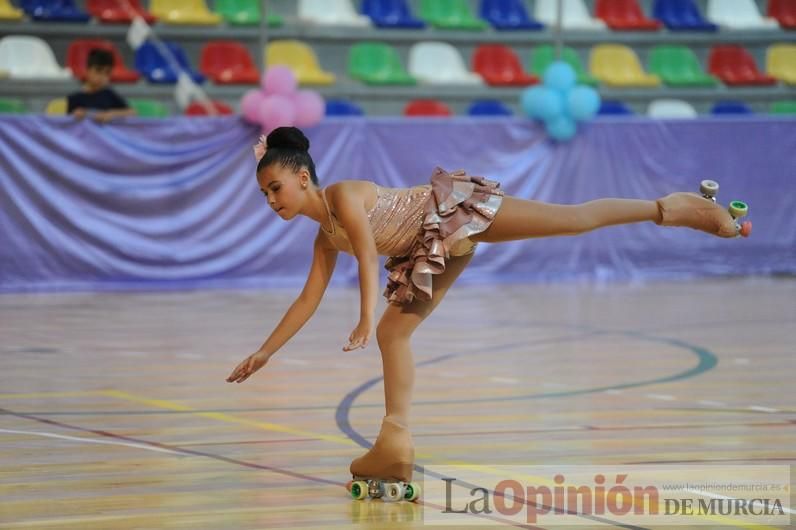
[(561, 128), (541, 102), (560, 76), (583, 102)]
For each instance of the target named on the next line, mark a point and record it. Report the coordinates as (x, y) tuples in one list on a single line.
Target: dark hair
[(288, 147), (99, 58)]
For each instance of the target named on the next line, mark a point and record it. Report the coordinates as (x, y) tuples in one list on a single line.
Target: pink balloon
[(279, 80), (310, 108), (250, 105), (277, 111)]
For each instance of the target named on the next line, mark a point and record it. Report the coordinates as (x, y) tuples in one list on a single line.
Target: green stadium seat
[(148, 108), (12, 106), (450, 14), (679, 66), (784, 107), (543, 56), (375, 63)]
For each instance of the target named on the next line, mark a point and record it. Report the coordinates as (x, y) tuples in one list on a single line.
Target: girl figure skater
[(429, 233)]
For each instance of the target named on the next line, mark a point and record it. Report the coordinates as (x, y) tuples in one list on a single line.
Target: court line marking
[(89, 440)]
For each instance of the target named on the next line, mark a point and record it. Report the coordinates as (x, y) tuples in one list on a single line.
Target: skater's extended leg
[(392, 455), (523, 219)]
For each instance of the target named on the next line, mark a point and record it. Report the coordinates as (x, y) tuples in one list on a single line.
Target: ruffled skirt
[(458, 207)]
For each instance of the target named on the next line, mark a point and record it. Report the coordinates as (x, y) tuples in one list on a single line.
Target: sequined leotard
[(419, 228)]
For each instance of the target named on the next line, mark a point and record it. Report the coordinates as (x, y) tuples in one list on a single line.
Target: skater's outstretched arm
[(347, 199), (323, 262)]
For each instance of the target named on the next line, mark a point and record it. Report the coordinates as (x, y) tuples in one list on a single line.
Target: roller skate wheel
[(738, 209), (359, 490), (375, 489), (412, 491), (709, 188), (393, 492)]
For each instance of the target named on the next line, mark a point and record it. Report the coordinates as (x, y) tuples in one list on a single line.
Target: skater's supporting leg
[(523, 219)]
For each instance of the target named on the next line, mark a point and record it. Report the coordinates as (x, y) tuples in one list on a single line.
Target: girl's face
[(284, 189)]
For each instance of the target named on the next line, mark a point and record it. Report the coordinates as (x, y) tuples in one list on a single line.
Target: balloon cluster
[(279, 104), (560, 102)]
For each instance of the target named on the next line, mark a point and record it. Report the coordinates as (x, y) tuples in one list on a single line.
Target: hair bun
[(288, 138)]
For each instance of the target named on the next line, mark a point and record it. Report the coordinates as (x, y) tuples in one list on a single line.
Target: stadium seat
[(736, 66), (228, 63), (739, 14), (498, 65), (9, 12), (112, 12), (54, 10), (681, 15), (343, 108), (56, 107), (391, 14), (198, 109), (157, 69), (12, 106), (614, 108), (671, 109), (784, 11), (77, 54), (300, 58), (330, 13), (508, 15), (678, 66), (542, 56), (450, 14), (617, 65), (488, 107), (439, 63), (625, 15), (187, 12), (783, 107), (375, 63), (781, 62), (575, 15), (731, 107), (25, 57), (148, 108), (426, 107)]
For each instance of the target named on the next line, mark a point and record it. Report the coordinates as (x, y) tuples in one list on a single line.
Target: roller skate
[(385, 471), (703, 213)]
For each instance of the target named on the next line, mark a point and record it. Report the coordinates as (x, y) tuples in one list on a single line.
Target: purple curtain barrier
[(151, 204)]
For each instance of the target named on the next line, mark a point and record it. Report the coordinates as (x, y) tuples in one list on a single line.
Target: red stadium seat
[(735, 66), (499, 65), (625, 15), (426, 107), (228, 63), (117, 11), (784, 11), (78, 52), (197, 109)]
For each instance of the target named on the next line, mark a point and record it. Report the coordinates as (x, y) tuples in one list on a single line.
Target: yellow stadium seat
[(9, 12), (56, 107), (193, 12), (300, 58), (781, 62), (617, 65)]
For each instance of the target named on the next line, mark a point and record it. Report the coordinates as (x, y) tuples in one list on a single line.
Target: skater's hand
[(251, 364), (360, 336)]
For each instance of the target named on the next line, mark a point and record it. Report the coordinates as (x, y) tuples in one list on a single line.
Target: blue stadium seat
[(731, 107), (339, 107), (54, 10), (156, 68), (508, 15), (488, 107), (391, 14), (614, 108), (682, 15)]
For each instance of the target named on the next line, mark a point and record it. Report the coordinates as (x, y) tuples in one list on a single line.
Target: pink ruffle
[(458, 207)]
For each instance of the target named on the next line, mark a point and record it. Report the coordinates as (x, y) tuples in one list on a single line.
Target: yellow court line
[(275, 427), (32, 395), (220, 416)]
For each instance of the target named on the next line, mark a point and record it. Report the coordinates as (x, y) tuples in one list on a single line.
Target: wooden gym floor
[(114, 412)]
